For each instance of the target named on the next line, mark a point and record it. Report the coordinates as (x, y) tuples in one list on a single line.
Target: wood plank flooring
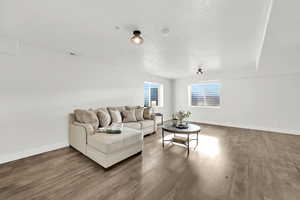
[(228, 163)]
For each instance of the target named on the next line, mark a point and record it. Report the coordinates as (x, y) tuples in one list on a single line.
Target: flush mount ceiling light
[(137, 38), (200, 71)]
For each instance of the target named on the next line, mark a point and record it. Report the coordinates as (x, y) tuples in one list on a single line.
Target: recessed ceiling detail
[(165, 31)]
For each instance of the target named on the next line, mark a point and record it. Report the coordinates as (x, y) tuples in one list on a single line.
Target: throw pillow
[(129, 116), (115, 116), (86, 116), (147, 112), (104, 118), (139, 114)]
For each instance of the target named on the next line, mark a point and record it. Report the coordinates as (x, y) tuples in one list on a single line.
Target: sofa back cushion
[(86, 116), (132, 107), (139, 114), (119, 108), (129, 116), (101, 108), (104, 118), (115, 116), (147, 112)]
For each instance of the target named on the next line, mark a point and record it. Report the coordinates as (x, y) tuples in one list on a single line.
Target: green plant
[(181, 115)]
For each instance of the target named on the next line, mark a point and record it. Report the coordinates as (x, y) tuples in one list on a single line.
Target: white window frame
[(204, 83), (160, 94)]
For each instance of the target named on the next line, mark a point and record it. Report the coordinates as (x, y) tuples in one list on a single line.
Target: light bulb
[(137, 39)]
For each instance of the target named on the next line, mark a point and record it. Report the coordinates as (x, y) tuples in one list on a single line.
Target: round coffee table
[(192, 129)]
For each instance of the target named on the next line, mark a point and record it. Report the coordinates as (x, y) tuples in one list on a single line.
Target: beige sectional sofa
[(108, 149)]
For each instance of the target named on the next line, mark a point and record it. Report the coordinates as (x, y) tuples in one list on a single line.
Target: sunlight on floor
[(208, 145)]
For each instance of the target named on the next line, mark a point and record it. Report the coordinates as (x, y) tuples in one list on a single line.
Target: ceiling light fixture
[(200, 71), (137, 38)]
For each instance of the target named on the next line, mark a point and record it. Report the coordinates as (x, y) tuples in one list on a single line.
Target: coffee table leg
[(163, 138), (188, 144), (197, 137)]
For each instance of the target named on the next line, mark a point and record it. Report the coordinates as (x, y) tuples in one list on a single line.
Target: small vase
[(174, 122), (180, 123)]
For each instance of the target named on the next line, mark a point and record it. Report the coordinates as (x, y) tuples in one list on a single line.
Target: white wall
[(39, 88), (268, 102), (268, 98)]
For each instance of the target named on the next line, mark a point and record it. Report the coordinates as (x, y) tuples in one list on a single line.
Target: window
[(153, 94), (204, 95)]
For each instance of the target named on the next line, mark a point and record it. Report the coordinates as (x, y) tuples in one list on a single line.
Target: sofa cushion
[(104, 118), (132, 107), (139, 114), (129, 116), (119, 108), (147, 123), (147, 112), (86, 116), (110, 143), (115, 116), (134, 125), (102, 109)]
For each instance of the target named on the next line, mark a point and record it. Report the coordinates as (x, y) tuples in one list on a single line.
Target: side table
[(159, 115)]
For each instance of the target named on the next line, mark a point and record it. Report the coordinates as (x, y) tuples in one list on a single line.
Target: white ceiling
[(218, 34)]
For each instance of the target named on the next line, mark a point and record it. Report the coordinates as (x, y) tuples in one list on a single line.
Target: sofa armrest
[(88, 127), (78, 133)]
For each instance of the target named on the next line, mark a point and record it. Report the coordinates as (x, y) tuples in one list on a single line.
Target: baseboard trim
[(275, 130), (31, 152)]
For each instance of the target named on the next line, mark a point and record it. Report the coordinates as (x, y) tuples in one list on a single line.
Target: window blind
[(205, 95)]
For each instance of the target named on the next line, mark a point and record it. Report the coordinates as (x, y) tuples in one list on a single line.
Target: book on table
[(179, 139)]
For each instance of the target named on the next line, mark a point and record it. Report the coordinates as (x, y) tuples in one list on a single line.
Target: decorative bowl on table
[(182, 126)]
